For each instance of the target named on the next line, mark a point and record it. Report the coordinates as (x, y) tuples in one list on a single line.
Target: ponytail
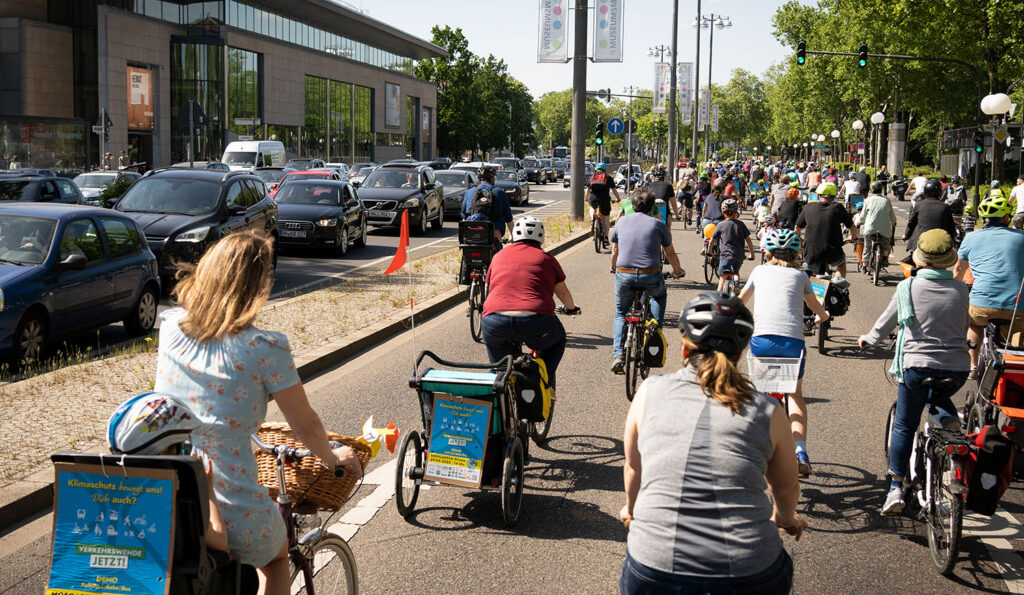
[(719, 377)]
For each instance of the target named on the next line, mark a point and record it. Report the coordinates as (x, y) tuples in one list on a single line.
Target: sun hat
[(935, 249)]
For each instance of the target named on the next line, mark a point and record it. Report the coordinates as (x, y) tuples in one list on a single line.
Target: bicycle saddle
[(938, 383)]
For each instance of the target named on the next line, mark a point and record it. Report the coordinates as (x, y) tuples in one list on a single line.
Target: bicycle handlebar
[(566, 311), (293, 454)]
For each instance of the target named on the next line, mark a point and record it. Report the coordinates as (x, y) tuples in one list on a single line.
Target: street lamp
[(877, 118), (835, 143), (710, 22), (995, 105)]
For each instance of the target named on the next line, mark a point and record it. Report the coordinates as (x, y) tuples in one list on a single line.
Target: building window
[(314, 132), (197, 70), (244, 101), (363, 121), (339, 121)]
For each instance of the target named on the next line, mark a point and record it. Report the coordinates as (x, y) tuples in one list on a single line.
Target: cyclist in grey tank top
[(701, 449)]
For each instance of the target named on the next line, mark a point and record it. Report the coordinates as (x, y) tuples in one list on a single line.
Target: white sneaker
[(894, 502)]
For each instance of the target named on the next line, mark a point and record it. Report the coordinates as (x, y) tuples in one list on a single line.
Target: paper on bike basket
[(774, 374), (820, 287), (458, 438)]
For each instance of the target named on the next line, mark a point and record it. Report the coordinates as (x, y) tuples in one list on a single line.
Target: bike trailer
[(1002, 384), (529, 383), (655, 346), (989, 470)]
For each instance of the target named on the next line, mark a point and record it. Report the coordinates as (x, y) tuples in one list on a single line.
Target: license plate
[(291, 233), (381, 214)]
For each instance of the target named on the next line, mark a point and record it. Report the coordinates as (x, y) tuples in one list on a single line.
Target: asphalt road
[(300, 271), (569, 538)]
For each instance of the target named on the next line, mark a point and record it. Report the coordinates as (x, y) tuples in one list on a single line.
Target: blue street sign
[(615, 126)]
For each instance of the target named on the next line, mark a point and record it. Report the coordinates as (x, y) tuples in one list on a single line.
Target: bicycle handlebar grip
[(339, 472)]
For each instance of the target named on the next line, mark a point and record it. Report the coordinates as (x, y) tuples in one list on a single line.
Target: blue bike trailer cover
[(459, 382)]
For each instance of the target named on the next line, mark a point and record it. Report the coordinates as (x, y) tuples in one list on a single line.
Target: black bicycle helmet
[(932, 189), (717, 321)]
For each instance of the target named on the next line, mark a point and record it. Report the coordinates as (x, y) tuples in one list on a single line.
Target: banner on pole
[(551, 36), (714, 118), (702, 110), (662, 79), (608, 31), (685, 87)]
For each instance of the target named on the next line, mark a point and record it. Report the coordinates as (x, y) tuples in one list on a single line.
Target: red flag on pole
[(403, 244)]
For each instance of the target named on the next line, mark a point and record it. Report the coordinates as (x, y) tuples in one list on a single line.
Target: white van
[(254, 153)]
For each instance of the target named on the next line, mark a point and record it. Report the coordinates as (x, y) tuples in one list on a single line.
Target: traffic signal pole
[(579, 112)]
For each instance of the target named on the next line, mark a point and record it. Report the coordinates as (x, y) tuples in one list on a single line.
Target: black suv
[(396, 187), (185, 211)]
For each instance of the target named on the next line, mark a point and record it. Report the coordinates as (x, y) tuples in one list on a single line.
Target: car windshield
[(94, 180), (318, 175), (171, 195), (299, 163), (365, 171), (452, 180), (309, 194), (506, 162), (25, 240), (270, 176), (507, 176), (17, 190), (530, 163), (240, 158), (384, 178), (545, 163), (561, 164)]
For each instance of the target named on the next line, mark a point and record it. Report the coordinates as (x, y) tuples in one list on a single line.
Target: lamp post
[(660, 51), (835, 143), (710, 22), (877, 118), (858, 125), (996, 105)]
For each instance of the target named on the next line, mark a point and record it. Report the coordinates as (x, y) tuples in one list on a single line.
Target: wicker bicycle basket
[(309, 482)]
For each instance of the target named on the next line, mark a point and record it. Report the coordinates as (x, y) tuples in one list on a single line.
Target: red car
[(309, 174)]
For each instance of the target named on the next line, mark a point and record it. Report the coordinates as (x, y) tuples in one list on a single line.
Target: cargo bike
[(477, 421)]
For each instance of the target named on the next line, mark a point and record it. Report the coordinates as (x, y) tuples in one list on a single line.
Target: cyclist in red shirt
[(523, 281)]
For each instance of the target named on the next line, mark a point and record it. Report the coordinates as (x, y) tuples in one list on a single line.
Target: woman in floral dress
[(212, 355)]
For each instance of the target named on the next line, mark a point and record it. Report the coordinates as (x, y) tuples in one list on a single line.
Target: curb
[(33, 493)]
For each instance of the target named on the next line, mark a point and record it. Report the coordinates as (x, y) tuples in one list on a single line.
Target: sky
[(508, 29)]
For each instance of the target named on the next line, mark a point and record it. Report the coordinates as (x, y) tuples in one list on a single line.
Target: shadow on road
[(843, 499), (587, 341)]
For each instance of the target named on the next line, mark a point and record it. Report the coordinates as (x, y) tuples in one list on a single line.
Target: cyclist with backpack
[(487, 202), (598, 195)]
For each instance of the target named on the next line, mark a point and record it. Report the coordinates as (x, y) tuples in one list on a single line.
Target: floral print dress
[(228, 383)]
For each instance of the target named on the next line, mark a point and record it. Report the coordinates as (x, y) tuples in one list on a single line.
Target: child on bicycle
[(730, 236), (930, 309), (781, 291)]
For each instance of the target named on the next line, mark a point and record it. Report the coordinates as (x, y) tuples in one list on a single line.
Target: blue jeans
[(911, 400), (636, 578), (624, 286), (503, 336)]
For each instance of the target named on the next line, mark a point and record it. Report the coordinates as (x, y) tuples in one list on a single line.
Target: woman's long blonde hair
[(223, 293), (718, 375)]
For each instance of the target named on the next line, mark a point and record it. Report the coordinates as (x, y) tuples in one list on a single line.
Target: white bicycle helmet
[(150, 423), (528, 228)]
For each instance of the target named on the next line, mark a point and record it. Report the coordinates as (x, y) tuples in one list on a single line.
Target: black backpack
[(484, 203)]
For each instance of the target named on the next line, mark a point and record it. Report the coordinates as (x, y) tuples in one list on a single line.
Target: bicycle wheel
[(595, 230), (630, 367), (890, 421), (512, 482), (945, 519), (476, 308), (709, 268), (538, 430), (333, 568), (822, 337), (410, 458)]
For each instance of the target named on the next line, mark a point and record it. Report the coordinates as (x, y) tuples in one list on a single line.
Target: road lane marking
[(995, 533)]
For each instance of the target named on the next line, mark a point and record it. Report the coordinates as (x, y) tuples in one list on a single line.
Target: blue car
[(68, 268)]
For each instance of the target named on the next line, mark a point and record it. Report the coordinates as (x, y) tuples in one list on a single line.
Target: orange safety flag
[(403, 243)]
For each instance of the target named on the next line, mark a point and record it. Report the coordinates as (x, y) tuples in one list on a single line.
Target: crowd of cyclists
[(220, 370)]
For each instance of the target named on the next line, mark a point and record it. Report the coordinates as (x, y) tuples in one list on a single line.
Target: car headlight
[(411, 203), (327, 223), (193, 235)]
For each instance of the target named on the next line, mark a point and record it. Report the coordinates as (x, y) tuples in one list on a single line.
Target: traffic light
[(801, 52), (604, 95), (979, 141), (599, 134), (862, 60)]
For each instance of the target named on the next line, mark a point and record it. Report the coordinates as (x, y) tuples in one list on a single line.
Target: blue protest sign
[(112, 531), (616, 125), (458, 436)]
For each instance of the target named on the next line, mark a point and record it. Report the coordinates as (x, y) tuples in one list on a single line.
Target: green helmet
[(827, 189), (994, 207)]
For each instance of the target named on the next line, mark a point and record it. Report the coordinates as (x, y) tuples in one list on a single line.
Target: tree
[(457, 114)]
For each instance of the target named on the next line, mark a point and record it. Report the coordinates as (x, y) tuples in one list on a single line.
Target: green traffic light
[(801, 60), (599, 141), (863, 63)]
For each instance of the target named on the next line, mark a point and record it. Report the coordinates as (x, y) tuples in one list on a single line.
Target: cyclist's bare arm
[(632, 469), (960, 269), (307, 426), (673, 259), (615, 254), (781, 476), (750, 246), (564, 295), (615, 192), (746, 294), (586, 193), (816, 307)]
